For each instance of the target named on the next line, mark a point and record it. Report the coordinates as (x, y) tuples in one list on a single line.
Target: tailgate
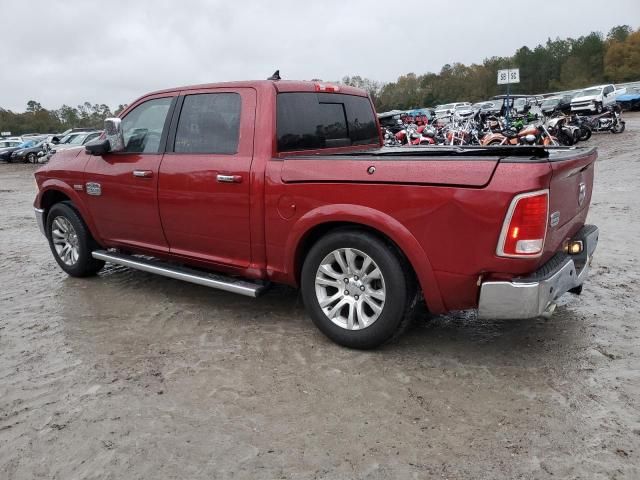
[(569, 193)]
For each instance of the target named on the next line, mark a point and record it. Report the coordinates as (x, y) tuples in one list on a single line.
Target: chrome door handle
[(229, 178), (143, 173)]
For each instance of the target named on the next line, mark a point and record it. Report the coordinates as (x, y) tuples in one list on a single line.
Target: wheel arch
[(314, 225), (56, 191)]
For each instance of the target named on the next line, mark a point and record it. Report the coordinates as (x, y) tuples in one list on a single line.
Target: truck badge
[(94, 188)]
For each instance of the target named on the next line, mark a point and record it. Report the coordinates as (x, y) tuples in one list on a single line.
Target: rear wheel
[(357, 289), (70, 241), (585, 133)]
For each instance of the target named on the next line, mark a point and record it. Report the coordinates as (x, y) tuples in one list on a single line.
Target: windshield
[(68, 138), (591, 92), (448, 106), (550, 102), (77, 139)]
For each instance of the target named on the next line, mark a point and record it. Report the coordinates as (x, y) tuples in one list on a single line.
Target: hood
[(586, 98)]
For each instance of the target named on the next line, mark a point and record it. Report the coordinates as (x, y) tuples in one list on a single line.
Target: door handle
[(143, 173), (229, 178)]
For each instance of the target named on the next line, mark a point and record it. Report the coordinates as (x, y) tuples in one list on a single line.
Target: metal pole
[(508, 93)]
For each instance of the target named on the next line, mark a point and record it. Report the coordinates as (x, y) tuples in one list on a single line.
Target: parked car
[(75, 140), (594, 99), (286, 182), (28, 151), (6, 152), (559, 103), (630, 100), (489, 107), (9, 143), (449, 108)]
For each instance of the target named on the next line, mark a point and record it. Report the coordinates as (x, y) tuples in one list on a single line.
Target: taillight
[(525, 226)]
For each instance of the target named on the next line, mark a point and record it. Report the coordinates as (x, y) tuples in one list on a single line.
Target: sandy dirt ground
[(132, 376)]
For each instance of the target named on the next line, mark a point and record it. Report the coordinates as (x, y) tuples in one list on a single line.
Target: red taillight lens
[(525, 226)]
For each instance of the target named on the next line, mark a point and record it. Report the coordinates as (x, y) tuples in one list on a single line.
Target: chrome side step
[(213, 280)]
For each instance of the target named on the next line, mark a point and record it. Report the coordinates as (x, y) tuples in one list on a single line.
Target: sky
[(72, 51)]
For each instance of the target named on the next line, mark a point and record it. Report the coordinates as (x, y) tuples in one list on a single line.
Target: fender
[(490, 137), (53, 184), (378, 221)]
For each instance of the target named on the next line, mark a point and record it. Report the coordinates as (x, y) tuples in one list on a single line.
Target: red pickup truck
[(288, 182)]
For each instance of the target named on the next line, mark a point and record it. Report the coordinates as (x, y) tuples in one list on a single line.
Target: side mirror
[(98, 147), (113, 140), (113, 133)]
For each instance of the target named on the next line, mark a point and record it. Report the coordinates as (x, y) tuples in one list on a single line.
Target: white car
[(595, 99), (448, 108)]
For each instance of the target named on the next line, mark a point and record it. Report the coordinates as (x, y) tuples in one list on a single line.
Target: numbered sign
[(510, 75)]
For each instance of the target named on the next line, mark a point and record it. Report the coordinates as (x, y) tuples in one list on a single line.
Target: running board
[(213, 280)]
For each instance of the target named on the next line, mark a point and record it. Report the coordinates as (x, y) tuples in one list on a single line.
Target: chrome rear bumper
[(532, 296)]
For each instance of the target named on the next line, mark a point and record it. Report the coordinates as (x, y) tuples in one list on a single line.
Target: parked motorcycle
[(566, 134), (611, 120)]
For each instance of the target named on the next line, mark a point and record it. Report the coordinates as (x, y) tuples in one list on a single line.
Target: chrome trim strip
[(228, 284), (40, 219)]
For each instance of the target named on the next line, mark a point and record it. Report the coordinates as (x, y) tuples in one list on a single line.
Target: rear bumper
[(532, 296)]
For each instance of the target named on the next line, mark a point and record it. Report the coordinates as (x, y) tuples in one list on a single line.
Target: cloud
[(112, 52)]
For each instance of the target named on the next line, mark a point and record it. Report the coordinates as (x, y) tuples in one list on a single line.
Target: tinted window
[(309, 121), (209, 123), (142, 127)]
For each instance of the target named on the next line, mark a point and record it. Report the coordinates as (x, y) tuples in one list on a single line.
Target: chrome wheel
[(65, 240), (350, 288)]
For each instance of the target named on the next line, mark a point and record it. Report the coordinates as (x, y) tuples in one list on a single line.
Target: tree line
[(560, 64), (37, 119)]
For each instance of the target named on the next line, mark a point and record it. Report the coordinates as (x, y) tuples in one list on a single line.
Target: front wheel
[(357, 289), (70, 241), (31, 158), (599, 108)]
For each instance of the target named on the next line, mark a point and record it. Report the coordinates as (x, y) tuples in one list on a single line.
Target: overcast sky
[(112, 51)]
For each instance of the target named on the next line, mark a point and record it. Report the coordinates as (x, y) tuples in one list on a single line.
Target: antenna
[(275, 76)]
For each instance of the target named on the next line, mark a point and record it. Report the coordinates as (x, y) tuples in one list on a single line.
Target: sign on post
[(508, 76)]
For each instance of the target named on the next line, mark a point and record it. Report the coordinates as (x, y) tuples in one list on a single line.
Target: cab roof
[(279, 85)]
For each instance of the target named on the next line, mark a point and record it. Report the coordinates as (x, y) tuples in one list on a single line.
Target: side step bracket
[(178, 272)]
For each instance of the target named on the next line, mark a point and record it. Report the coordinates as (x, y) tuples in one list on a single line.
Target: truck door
[(204, 183), (122, 187)]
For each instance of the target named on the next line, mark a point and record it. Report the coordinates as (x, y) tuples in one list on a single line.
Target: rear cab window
[(315, 121)]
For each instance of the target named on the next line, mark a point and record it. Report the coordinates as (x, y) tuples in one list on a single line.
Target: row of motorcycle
[(476, 128)]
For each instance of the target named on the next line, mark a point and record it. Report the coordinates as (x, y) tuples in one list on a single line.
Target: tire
[(585, 133), (619, 128), (31, 158), (70, 241), (355, 323), (494, 142), (565, 139), (599, 108)]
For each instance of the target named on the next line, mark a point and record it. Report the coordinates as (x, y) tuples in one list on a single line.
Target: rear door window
[(310, 121), (209, 123)]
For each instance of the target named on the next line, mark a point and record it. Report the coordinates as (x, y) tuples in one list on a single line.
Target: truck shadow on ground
[(157, 307)]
